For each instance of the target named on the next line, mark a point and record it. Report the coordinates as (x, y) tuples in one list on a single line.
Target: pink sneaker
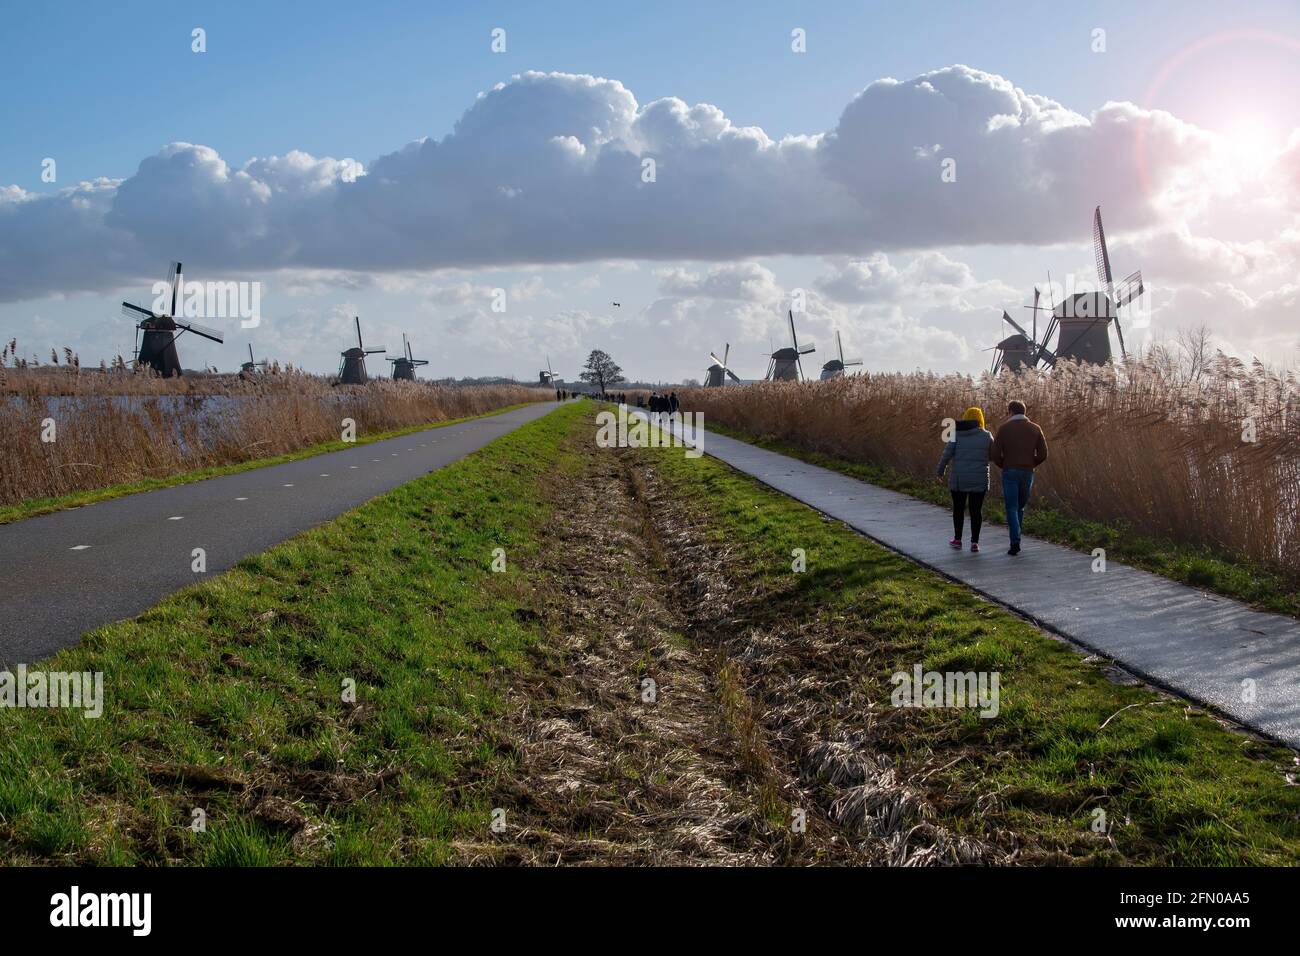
[(975, 547), (955, 543)]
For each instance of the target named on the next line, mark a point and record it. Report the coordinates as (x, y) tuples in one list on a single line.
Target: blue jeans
[(1016, 484)]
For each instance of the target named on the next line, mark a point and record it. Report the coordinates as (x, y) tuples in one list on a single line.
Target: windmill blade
[(1100, 253), (1129, 290), (374, 351), (357, 320), (847, 362), (726, 354), (173, 274), (197, 329), (1014, 324), (734, 376), (419, 361), (250, 351), (717, 361), (133, 311), (806, 348), (1119, 330)]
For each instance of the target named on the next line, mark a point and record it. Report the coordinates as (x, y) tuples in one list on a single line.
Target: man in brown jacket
[(1018, 448)]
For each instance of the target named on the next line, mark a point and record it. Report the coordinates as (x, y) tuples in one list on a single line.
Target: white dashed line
[(241, 499), (352, 466), (324, 476), (79, 547), (290, 485), (175, 517)]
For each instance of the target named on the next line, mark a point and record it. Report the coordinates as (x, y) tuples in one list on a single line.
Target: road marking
[(289, 485), (241, 499), (324, 476), (79, 547)]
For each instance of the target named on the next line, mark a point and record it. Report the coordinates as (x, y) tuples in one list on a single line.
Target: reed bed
[(1156, 447), (114, 427)]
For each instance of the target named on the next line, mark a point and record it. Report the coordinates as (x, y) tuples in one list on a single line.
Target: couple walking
[(1018, 448)]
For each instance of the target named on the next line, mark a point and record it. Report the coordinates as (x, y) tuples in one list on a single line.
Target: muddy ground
[(676, 716)]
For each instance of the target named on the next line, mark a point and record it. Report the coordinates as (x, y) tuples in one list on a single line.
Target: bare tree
[(1195, 351)]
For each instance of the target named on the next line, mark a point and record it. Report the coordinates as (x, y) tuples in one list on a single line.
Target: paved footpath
[(1200, 645), (66, 573)]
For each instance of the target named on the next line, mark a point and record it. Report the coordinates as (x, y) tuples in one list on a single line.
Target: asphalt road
[(1242, 662), (64, 574)]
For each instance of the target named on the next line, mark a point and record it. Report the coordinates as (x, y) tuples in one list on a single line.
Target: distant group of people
[(1017, 449), (663, 404)]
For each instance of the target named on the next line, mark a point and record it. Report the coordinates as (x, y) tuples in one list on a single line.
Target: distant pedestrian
[(672, 403), (966, 461), (558, 397), (1018, 449)]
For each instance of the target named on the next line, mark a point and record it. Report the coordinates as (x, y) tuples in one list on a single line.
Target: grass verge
[(1223, 574), (39, 506), (226, 702), (1173, 785)]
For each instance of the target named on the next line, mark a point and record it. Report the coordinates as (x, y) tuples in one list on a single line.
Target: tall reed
[(112, 427)]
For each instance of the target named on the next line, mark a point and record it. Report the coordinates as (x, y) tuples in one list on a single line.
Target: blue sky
[(102, 87)]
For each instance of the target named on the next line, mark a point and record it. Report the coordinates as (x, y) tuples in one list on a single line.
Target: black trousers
[(959, 500)]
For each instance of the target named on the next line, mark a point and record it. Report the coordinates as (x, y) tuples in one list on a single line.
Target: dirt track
[(751, 746)]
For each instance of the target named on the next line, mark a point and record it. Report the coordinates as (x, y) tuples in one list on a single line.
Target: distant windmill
[(717, 372), (156, 348), (352, 371), (835, 367), (546, 376), (1025, 349), (1085, 317), (248, 370), (785, 364), (404, 367)]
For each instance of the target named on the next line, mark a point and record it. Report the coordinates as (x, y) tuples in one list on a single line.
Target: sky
[(902, 171)]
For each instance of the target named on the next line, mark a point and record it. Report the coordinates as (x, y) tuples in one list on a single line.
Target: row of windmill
[(157, 332), (1081, 324), (783, 365)]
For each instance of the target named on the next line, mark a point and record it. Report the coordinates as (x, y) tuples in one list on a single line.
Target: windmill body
[(158, 332), (404, 367), (716, 375), (352, 370), (248, 370), (785, 364), (836, 366), (1084, 319)]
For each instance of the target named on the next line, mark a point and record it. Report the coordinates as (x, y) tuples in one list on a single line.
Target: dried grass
[(1151, 446), (114, 427)]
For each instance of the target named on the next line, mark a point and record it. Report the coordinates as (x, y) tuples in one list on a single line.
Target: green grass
[(1197, 567), (39, 506), (1178, 787), (227, 696)]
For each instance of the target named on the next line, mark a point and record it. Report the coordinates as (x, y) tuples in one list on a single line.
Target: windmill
[(1085, 317), (717, 372), (1025, 349), (546, 376), (785, 364), (835, 367), (156, 348), (352, 371), (248, 370), (405, 366)]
